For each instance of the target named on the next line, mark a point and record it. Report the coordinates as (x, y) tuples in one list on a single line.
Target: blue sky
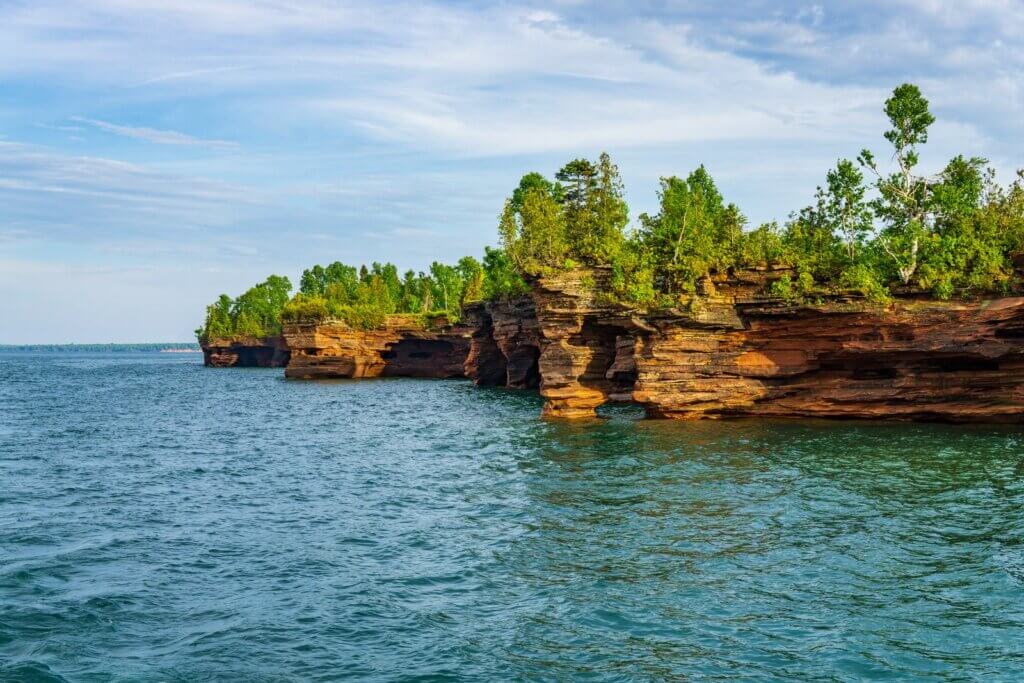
[(154, 153)]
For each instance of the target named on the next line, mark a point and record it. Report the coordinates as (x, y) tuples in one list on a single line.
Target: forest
[(876, 227)]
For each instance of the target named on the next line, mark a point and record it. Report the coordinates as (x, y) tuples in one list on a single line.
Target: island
[(893, 295)]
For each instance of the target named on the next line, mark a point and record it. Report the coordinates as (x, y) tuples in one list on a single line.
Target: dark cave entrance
[(523, 368), (423, 358)]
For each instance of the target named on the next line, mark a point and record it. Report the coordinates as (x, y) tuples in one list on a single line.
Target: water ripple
[(162, 521)]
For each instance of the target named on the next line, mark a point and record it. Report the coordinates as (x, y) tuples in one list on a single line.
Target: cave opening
[(523, 368), (963, 364), (612, 366), (423, 358)]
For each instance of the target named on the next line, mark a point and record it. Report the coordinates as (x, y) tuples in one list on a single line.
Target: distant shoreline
[(157, 347)]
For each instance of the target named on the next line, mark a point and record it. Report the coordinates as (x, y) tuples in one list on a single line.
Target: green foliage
[(365, 297), (633, 276), (952, 233), (904, 199), (783, 289), (305, 308), (501, 279), (863, 279), (359, 316), (844, 208), (693, 234), (955, 233), (256, 313), (362, 297), (970, 250), (762, 247), (545, 226), (472, 275), (537, 182)]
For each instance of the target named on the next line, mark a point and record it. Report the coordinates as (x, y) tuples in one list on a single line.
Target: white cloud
[(87, 197), (408, 120), (162, 137)]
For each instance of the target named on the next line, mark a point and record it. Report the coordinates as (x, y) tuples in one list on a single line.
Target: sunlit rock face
[(265, 352), (586, 345), (335, 350), (731, 351), (917, 361)]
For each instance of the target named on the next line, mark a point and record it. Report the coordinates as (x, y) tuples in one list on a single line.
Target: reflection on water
[(163, 521)]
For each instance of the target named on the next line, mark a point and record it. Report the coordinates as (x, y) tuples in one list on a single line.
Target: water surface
[(163, 521)]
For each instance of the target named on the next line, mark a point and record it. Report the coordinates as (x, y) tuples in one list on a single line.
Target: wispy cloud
[(408, 121), (160, 137), (183, 75)]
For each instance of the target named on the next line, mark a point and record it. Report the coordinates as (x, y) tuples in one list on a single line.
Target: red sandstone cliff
[(728, 351), (734, 352), (401, 349), (252, 352), (505, 344), (961, 362)]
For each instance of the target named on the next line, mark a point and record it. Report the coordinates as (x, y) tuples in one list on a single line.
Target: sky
[(156, 153)]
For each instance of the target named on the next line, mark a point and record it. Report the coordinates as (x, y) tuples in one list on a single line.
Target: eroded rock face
[(916, 361), (733, 351), (335, 350), (586, 345), (485, 363), (729, 351), (506, 343), (267, 352)]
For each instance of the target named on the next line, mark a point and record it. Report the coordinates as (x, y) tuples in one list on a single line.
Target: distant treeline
[(362, 297), (877, 227), (104, 348)]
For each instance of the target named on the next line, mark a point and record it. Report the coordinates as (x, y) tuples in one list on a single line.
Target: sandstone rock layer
[(731, 351), (726, 351), (266, 352), (918, 361), (335, 350)]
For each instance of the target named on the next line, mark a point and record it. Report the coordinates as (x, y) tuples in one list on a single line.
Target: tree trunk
[(679, 238)]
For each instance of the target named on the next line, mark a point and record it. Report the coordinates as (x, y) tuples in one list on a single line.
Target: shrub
[(862, 279), (305, 308)]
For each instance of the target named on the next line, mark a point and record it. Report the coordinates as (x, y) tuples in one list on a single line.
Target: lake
[(164, 521)]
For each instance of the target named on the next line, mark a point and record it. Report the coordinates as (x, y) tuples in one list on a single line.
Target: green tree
[(904, 200), (313, 281), (219, 324), (846, 208), (343, 276), (533, 230), (472, 275), (693, 233), (579, 179), (447, 287), (534, 181), (501, 278)]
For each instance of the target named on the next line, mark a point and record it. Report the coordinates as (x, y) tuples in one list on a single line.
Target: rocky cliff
[(505, 345), (731, 351), (403, 348), (252, 352), (727, 351), (922, 361), (586, 351)]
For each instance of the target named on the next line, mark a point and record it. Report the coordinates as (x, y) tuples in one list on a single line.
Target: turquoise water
[(162, 521)]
